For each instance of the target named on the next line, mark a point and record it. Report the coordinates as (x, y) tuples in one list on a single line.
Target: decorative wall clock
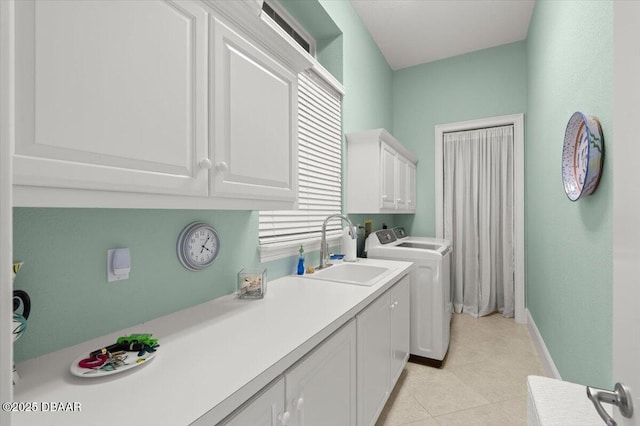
[(198, 246)]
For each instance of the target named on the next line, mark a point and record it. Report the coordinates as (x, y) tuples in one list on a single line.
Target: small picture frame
[(252, 283)]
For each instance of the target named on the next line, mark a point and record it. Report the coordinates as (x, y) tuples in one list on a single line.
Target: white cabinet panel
[(381, 174), (400, 326), (388, 170), (265, 409), (402, 166), (111, 95), (373, 359), (154, 104), (321, 389), (383, 349), (411, 187), (255, 146)]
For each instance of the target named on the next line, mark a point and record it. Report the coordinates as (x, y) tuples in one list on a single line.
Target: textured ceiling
[(412, 32)]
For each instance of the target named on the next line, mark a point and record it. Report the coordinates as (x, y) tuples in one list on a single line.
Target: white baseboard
[(538, 342)]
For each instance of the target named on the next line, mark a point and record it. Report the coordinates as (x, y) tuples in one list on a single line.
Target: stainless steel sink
[(350, 273)]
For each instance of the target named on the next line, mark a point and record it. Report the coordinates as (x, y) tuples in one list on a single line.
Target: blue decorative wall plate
[(582, 156)]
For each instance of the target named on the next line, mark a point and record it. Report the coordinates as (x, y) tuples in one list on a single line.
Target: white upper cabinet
[(401, 175), (255, 130), (411, 187), (154, 103), (381, 174), (388, 160), (111, 95)]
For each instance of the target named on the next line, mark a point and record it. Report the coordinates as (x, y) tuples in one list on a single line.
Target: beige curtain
[(478, 219)]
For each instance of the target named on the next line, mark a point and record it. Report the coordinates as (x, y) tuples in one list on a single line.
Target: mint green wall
[(367, 76), (65, 270), (367, 80), (569, 245), (317, 22), (486, 83), (65, 249)]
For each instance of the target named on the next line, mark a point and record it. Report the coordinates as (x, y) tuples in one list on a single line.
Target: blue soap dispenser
[(301, 261)]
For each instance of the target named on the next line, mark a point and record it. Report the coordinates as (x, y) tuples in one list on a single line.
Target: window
[(319, 174)]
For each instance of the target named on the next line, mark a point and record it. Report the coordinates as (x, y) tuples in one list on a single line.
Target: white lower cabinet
[(383, 349), (319, 390), (400, 321), (345, 380), (264, 409)]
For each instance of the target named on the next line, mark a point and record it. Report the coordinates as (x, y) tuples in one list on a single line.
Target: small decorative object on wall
[(582, 155), (198, 246), (21, 310)]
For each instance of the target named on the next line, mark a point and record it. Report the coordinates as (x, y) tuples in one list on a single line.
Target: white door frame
[(517, 120), (6, 221), (621, 161)]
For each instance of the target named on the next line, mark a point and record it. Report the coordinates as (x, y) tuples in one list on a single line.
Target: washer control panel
[(399, 232), (385, 236)]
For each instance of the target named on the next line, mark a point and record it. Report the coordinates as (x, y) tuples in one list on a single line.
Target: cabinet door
[(265, 409), (111, 95), (402, 168), (399, 302), (254, 123), (388, 177), (373, 359), (321, 389), (411, 187)]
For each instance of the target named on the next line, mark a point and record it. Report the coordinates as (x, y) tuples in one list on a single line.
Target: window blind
[(319, 169)]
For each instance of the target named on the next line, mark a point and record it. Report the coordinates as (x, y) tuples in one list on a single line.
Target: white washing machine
[(430, 288)]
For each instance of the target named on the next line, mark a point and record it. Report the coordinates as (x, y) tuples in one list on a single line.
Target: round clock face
[(198, 246)]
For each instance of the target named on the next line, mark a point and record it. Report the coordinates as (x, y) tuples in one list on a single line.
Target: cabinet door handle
[(222, 166), (284, 418), (298, 403), (205, 163)]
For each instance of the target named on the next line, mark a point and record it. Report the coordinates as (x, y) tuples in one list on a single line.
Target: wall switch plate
[(118, 264)]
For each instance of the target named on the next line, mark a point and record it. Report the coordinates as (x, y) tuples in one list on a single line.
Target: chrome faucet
[(324, 247)]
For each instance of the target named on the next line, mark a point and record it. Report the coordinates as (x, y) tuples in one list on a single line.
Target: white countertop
[(211, 357)]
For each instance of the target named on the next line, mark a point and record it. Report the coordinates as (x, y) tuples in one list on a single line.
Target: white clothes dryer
[(430, 288)]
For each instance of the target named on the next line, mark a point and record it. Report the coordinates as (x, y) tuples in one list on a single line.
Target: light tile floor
[(482, 382)]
